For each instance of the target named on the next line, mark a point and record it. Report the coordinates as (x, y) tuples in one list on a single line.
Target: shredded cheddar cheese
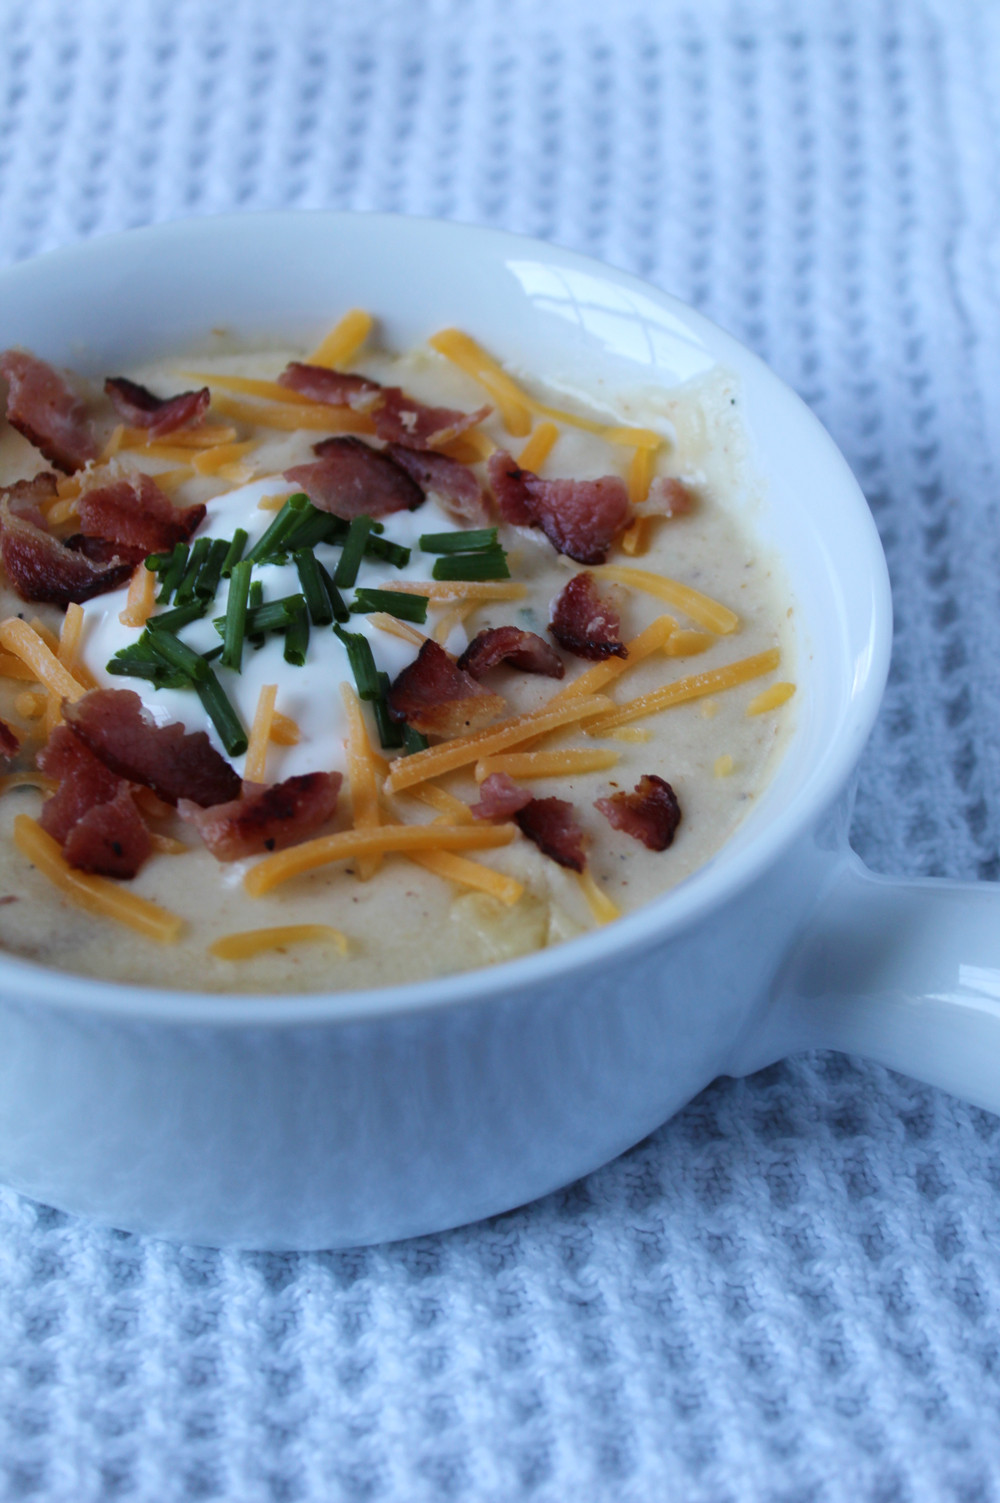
[(701, 608), (600, 905), (547, 764), (770, 698), (26, 643), (96, 894), (255, 767), (288, 416), (343, 341), (685, 644), (167, 845), (514, 406), (599, 675), (207, 436), (213, 461), (638, 735), (640, 474), (393, 627), (362, 777), (252, 942), (469, 447), (684, 689), (66, 509), (140, 599), (31, 703), (12, 667), (454, 809), (460, 589), (538, 448), (451, 619), (635, 538), (347, 845), (404, 772), (470, 874), (250, 386), (284, 731)]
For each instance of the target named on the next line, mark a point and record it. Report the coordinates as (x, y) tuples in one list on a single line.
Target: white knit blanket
[(791, 1292)]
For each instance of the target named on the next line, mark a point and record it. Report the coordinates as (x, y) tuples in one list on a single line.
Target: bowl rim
[(663, 917)]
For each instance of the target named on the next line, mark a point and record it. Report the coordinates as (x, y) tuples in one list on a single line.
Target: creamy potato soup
[(547, 784)]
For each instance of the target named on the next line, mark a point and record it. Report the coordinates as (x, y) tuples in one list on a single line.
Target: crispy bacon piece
[(668, 497), (551, 824), (173, 762), (398, 418), (91, 814), (584, 623), (454, 484), (134, 516), (339, 388), (10, 741), (137, 405), (351, 479), (580, 518), (438, 698), (509, 644), (650, 813), (40, 567), (499, 797), (27, 497), (42, 407), (266, 818)]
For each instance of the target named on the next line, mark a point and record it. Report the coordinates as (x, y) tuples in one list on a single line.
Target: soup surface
[(403, 917)]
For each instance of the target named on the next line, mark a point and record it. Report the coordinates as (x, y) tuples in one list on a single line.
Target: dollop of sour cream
[(310, 695)]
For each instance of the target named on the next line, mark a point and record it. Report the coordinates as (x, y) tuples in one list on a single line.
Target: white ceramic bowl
[(327, 1120)]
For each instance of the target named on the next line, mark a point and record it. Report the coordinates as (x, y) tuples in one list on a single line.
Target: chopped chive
[(197, 556), (173, 573), (459, 542), (297, 637), (222, 715), (273, 539), (171, 651), (359, 655), (235, 551), (256, 600), (358, 534), (236, 616), (181, 615), (491, 564), (390, 732), (272, 615), (319, 603), (211, 570), (314, 527), (212, 653), (340, 611), (402, 605), (157, 562), (413, 741), (393, 553), (159, 676)]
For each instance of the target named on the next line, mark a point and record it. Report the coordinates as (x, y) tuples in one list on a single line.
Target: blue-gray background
[(792, 1291)]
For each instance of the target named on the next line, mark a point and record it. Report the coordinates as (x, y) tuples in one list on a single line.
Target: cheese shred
[(255, 766), (363, 778), (140, 599), (684, 689), (343, 341), (770, 699), (252, 942), (348, 845), (95, 894), (26, 643), (701, 608), (470, 874), (547, 764), (597, 900)]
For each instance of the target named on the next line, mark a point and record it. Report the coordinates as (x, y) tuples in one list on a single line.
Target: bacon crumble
[(499, 797), (552, 824), (175, 763), (650, 813), (42, 407), (454, 484), (40, 567), (134, 516), (398, 418), (438, 698), (668, 497), (91, 814), (351, 479), (10, 741), (266, 818), (580, 518), (137, 405), (585, 623), (509, 644)]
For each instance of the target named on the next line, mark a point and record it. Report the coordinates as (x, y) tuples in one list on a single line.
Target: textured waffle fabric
[(792, 1291)]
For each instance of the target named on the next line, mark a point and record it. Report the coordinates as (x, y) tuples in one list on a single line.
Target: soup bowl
[(342, 1118)]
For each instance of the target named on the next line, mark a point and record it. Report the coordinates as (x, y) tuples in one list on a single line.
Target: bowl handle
[(905, 973)]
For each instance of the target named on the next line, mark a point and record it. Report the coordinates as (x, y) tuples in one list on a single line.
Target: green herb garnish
[(398, 603), (474, 541), (358, 534), (490, 564), (235, 625), (173, 573), (297, 636), (359, 655), (222, 715), (390, 732), (197, 556), (313, 587), (174, 653), (273, 540), (207, 583), (235, 551)]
